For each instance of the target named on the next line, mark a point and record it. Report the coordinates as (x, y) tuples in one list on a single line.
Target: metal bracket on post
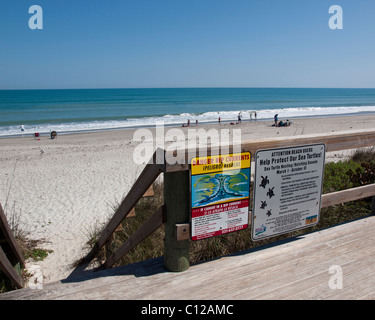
[(182, 231)]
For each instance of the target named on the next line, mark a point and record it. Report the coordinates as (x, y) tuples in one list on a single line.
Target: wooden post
[(176, 200)]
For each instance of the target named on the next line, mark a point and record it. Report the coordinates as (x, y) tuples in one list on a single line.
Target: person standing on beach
[(22, 129), (255, 115), (219, 120), (239, 118), (275, 118)]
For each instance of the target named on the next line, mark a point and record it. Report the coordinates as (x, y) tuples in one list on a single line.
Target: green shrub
[(336, 176), (363, 175)]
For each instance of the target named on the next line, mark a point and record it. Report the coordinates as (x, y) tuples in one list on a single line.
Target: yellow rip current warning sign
[(220, 191)]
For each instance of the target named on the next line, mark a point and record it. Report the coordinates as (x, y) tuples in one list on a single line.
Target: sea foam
[(180, 119)]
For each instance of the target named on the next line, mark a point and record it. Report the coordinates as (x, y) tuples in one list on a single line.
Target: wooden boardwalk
[(294, 269)]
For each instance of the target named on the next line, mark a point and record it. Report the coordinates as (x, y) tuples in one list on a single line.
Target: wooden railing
[(148, 176), (328, 199), (334, 142), (175, 214), (11, 257)]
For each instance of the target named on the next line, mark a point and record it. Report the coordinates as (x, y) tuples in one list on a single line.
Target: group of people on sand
[(53, 134), (280, 123), (188, 123), (239, 118)]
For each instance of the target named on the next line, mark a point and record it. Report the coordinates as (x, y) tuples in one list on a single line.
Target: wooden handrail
[(334, 142), (148, 176), (328, 199), (333, 198), (14, 252), (9, 237), (9, 271), (152, 224)]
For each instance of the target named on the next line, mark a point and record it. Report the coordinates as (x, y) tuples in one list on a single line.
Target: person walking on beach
[(276, 119), (239, 118), (255, 115), (219, 120)]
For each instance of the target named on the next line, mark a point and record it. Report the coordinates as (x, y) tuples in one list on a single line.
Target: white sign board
[(287, 189)]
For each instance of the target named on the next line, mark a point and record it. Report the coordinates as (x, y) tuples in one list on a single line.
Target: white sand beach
[(61, 188)]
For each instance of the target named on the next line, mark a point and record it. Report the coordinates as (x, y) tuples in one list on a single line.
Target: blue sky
[(186, 43)]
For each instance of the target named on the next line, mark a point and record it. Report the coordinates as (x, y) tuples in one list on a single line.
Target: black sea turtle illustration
[(269, 213), (263, 205), (264, 182), (270, 192)]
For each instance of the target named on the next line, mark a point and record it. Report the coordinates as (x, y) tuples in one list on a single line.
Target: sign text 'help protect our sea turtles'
[(287, 189)]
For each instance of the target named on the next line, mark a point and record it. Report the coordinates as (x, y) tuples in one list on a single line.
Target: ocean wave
[(179, 119)]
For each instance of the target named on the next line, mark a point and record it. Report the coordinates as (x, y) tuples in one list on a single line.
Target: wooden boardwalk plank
[(353, 277), (298, 269), (303, 274), (252, 285)]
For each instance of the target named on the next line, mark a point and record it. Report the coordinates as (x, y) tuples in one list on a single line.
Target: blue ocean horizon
[(76, 110)]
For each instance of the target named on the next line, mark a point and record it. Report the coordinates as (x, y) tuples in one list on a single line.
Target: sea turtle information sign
[(220, 192), (287, 189)]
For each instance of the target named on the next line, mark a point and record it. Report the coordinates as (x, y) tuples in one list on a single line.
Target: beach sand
[(60, 189)]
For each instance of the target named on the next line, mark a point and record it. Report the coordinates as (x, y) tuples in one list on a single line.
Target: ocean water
[(78, 110)]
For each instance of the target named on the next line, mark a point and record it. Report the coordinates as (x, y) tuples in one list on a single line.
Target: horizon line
[(192, 87)]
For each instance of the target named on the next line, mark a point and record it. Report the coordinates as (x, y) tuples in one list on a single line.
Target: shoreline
[(44, 134), (61, 189)]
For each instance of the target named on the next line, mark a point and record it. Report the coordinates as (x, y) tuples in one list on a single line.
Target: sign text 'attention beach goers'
[(287, 189)]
